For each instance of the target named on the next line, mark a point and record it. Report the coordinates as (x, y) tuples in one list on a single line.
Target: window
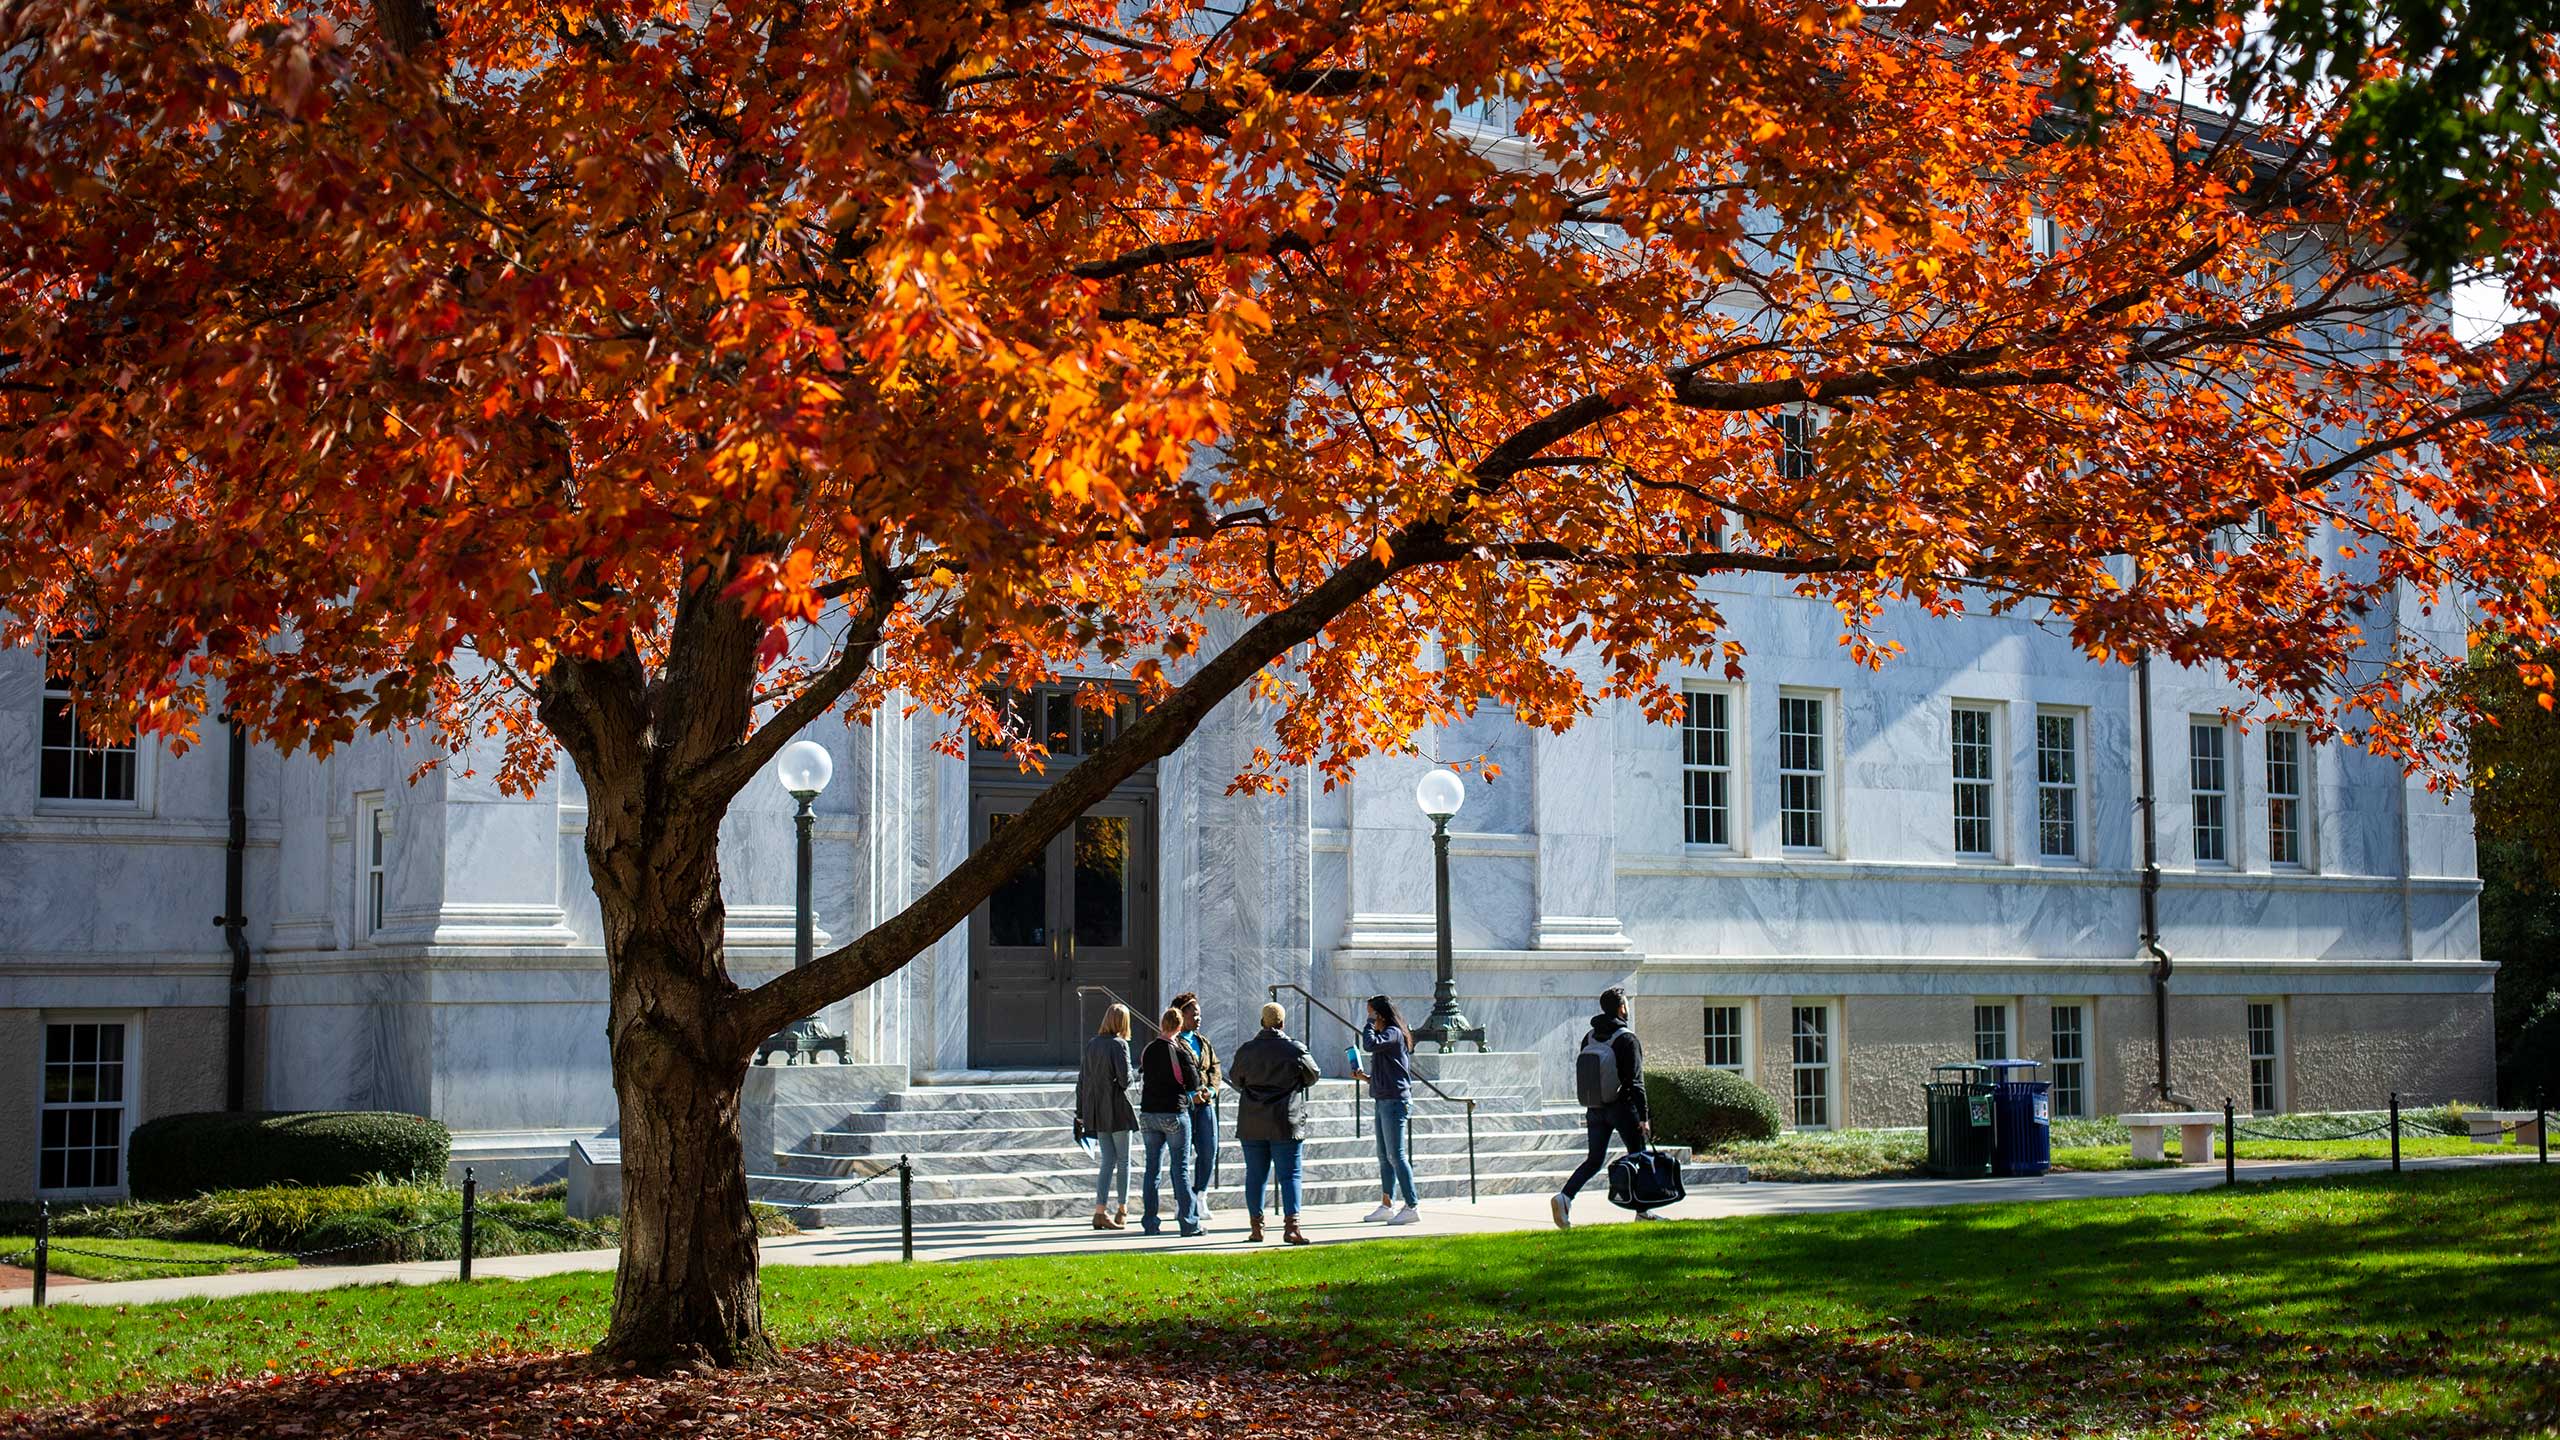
[(1706, 767), (1795, 445), (373, 860), (2057, 785), (1991, 1032), (2070, 1060), (1724, 1038), (2208, 787), (1969, 743), (2266, 1070), (2044, 235), (1803, 773), (80, 1121), (1812, 1063), (2284, 797), (73, 767)]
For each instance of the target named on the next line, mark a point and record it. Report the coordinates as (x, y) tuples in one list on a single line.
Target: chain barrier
[(2246, 1133)]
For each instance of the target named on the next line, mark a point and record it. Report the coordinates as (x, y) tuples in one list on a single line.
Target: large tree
[(641, 383)]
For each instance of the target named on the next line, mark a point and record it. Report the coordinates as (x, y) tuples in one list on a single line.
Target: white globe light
[(804, 767), (1440, 794)]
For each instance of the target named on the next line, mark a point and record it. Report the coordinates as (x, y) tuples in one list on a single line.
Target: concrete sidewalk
[(1325, 1225)]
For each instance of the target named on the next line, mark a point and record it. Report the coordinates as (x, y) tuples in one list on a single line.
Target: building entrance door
[(1083, 913)]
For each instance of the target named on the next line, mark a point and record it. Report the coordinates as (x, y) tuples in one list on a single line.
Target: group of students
[(1178, 1076)]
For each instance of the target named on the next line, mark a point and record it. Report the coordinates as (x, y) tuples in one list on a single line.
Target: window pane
[(1102, 880), (1706, 753), (1018, 913), (2207, 781), (1990, 1032)]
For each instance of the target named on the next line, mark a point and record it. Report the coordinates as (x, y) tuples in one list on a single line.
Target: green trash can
[(1959, 1121)]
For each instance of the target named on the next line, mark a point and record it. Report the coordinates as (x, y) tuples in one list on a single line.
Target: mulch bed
[(827, 1390)]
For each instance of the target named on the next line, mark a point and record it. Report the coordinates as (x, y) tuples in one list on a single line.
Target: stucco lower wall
[(21, 1076), (1892, 1042), (180, 1054), (2349, 1052)]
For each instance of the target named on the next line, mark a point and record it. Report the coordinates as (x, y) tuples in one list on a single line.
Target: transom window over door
[(1706, 768), (81, 1118), (1969, 749), (1803, 773), (2209, 789), (2057, 786), (74, 768)]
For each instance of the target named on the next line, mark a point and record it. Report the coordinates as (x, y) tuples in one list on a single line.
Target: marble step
[(1032, 1137), (878, 1209), (831, 1154), (1331, 1109), (1050, 1171), (1047, 1096)]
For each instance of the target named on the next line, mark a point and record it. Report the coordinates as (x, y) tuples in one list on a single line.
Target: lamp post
[(804, 767), (1440, 794)]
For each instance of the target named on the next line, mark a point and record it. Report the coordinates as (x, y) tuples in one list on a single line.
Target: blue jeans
[(1598, 1124), (1395, 1166), (1261, 1157), (1113, 1149), (1169, 1132), (1204, 1147)]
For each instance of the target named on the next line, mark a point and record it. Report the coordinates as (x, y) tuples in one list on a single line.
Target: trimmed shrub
[(354, 1224), (1703, 1108), (180, 1155)]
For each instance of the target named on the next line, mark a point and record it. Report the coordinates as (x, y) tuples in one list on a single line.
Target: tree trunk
[(686, 1294)]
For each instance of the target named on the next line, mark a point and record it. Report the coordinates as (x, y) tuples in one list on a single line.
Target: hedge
[(180, 1155), (1703, 1108)]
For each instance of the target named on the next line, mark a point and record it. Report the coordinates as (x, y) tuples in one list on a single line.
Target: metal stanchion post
[(906, 1208), (2230, 1133), (44, 1245), (2395, 1132), (470, 1216)]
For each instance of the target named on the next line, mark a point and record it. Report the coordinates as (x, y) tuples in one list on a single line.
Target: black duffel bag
[(1645, 1180)]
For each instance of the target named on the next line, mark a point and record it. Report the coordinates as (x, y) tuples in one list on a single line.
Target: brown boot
[(1120, 1218), (1256, 1236), (1290, 1232)]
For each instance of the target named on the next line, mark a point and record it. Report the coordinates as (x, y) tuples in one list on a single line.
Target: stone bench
[(2195, 1134), (2488, 1127)]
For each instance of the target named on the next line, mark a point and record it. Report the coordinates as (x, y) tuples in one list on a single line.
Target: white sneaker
[(1406, 1216), (1562, 1209), (1203, 1199), (1384, 1211), (1647, 1215)]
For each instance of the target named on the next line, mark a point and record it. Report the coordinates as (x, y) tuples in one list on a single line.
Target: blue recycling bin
[(2021, 1118)]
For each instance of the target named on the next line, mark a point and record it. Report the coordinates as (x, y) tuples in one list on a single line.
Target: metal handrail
[(1468, 1101)]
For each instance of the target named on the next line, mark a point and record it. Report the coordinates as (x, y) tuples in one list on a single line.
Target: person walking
[(1272, 1074), (1166, 1080), (1390, 1076), (1609, 1079), (1203, 1110), (1102, 1111)]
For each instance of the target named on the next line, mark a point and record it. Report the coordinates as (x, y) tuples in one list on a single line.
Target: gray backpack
[(1595, 1071)]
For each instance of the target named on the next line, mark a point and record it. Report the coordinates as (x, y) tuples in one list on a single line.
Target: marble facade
[(480, 999)]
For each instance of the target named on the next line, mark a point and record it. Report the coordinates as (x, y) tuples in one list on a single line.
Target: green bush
[(356, 1224), (1703, 1108), (180, 1155)]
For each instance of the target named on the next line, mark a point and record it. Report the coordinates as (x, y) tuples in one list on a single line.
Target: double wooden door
[(1082, 914)]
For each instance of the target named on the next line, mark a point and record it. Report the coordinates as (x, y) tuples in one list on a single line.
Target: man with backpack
[(1608, 1077)]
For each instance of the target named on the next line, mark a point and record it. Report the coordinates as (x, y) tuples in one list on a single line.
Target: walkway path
[(1325, 1225)]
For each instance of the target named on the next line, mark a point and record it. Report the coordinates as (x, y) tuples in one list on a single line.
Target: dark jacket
[(1208, 1063), (1166, 1078), (1273, 1074), (1102, 1087), (1390, 1064), (1630, 1063)]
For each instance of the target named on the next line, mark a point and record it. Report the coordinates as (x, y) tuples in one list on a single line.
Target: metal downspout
[(2148, 801), (234, 921)]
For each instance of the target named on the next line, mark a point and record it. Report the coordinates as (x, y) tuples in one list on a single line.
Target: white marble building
[(1927, 863)]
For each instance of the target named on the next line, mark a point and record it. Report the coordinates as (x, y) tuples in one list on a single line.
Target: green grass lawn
[(2077, 1145), (2373, 1305), (95, 1258)]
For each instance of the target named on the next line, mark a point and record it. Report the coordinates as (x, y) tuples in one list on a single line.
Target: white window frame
[(2007, 1022), (1827, 784), (1795, 427), (144, 752), (2044, 235), (1987, 783), (2272, 1056), (2296, 802), (2072, 790), (1743, 1010), (376, 831), (1736, 813), (2079, 1064), (1825, 1069), (2218, 795), (126, 1105)]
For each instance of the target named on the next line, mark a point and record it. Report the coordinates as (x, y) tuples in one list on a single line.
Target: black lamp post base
[(801, 1043), (1447, 1027)]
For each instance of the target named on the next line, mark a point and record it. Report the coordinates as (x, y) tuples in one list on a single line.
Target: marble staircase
[(995, 1152)]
